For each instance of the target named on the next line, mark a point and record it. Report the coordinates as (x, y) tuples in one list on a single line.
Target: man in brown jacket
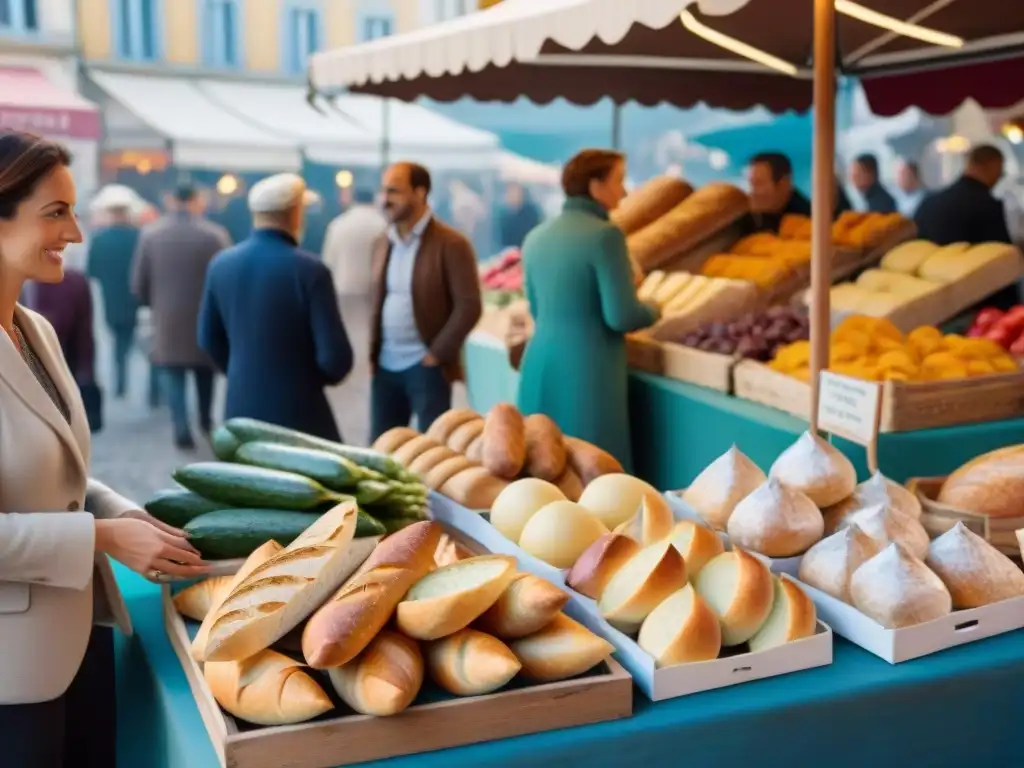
[(425, 295)]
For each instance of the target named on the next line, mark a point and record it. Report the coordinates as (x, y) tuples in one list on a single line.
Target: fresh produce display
[(1004, 328), (873, 349), (863, 231), (754, 336), (686, 301), (502, 278)]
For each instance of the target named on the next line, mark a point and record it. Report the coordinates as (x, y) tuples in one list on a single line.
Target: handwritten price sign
[(849, 407)]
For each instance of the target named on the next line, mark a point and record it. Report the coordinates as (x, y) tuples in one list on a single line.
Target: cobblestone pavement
[(135, 453)]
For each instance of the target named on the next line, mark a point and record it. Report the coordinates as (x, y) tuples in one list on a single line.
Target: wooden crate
[(938, 518), (847, 262), (906, 406), (643, 353), (695, 366)]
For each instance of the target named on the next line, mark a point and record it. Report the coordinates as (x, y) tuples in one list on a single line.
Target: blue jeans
[(124, 340), (174, 390), (396, 396)]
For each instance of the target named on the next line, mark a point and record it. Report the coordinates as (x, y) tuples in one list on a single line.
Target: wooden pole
[(616, 126), (823, 192)]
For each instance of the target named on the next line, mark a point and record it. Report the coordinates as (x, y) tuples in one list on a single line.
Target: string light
[(904, 28)]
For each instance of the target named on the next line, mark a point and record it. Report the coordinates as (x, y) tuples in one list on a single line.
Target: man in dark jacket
[(270, 318), (864, 177)]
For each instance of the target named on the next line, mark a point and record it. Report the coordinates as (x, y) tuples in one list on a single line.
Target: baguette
[(589, 461), (528, 605), (412, 449), (471, 663), (474, 488), (195, 600), (650, 202), (445, 471), (464, 436), (394, 439), (449, 551), (504, 448), (287, 588), (445, 424), (561, 650), (545, 448), (266, 689), (453, 597), (475, 450), (570, 484), (346, 623), (430, 458), (384, 679)]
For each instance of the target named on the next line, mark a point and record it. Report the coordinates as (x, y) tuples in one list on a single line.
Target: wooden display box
[(695, 366), (643, 353), (604, 694), (906, 406)]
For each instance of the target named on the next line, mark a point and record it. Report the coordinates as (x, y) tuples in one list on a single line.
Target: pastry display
[(615, 498), (652, 522), (877, 489), (753, 336), (384, 679), (518, 502), (687, 302), (991, 484), (560, 532), (974, 572), (817, 469), (793, 617), (639, 586), (697, 543), (600, 561), (830, 563), (884, 523), (896, 589), (740, 590), (471, 663), (563, 649), (776, 520), (526, 606), (863, 231), (717, 490), (681, 629)]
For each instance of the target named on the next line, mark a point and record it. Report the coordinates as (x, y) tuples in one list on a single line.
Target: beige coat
[(49, 571)]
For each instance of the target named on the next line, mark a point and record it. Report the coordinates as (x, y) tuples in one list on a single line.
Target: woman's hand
[(141, 514), (146, 548)]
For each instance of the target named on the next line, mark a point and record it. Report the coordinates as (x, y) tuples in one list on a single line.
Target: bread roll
[(683, 628), (739, 588), (974, 572), (697, 543), (793, 617), (600, 561), (570, 484), (280, 593), (475, 450), (652, 522), (430, 458), (408, 452), (344, 625), (518, 502), (877, 489), (991, 485), (614, 499), (465, 435), (560, 532), (816, 468), (776, 521), (884, 524), (445, 471), (649, 202), (896, 589), (830, 563), (471, 663), (545, 447), (195, 600), (647, 578), (722, 485), (561, 650), (589, 461), (504, 448), (384, 679), (528, 605), (394, 439), (267, 688), (451, 598), (449, 551), (649, 287), (473, 488), (445, 424)]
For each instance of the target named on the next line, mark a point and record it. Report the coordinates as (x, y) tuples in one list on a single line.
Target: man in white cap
[(270, 319)]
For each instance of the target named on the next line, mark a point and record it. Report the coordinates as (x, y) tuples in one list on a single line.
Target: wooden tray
[(695, 366), (906, 406), (847, 263), (938, 518), (643, 353)]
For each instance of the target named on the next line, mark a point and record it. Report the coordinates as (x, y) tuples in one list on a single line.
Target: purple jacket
[(68, 307)]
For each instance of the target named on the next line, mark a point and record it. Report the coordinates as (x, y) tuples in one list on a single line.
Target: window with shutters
[(375, 19), (138, 31), (221, 31), (303, 35), (19, 17)]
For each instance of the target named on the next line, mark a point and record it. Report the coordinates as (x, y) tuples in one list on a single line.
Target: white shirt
[(348, 248), (909, 201), (401, 345)]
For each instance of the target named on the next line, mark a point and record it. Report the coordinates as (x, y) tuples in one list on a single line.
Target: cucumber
[(372, 491), (395, 524), (252, 430), (231, 533), (176, 506), (224, 443), (237, 485), (331, 471)]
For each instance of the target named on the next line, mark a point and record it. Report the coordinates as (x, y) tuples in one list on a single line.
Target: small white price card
[(849, 407)]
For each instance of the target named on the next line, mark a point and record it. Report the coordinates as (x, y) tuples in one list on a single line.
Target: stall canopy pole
[(616, 126), (385, 134), (824, 189)]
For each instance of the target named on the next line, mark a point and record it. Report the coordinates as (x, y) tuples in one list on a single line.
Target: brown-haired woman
[(57, 525), (579, 284)]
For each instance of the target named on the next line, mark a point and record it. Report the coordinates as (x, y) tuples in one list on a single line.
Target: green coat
[(580, 287)]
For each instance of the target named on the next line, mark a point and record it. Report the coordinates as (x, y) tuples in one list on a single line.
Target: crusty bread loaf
[(599, 562), (570, 484), (739, 588), (453, 597), (449, 551), (991, 484), (681, 629), (897, 590), (445, 424), (394, 439), (445, 471), (195, 600), (647, 578), (473, 488), (475, 450), (649, 202), (344, 625), (258, 557), (266, 689), (829, 564), (974, 572), (287, 588), (563, 649), (464, 435), (697, 543), (430, 458), (384, 679), (415, 447), (589, 461), (545, 448), (471, 663), (526, 606), (504, 448), (793, 616)]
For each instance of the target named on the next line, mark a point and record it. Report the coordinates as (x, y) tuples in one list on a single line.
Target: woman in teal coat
[(579, 284)]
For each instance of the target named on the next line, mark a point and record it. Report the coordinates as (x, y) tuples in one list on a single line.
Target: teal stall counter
[(678, 429)]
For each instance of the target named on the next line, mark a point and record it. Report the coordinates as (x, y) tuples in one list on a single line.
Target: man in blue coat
[(270, 319)]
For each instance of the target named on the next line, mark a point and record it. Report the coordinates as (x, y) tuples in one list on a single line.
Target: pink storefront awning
[(29, 101)]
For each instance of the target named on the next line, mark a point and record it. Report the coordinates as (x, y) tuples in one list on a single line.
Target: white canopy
[(523, 170)]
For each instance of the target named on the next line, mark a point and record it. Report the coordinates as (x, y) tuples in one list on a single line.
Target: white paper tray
[(896, 645), (683, 511), (656, 684)]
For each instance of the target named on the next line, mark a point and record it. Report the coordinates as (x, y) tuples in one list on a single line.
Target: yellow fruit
[(803, 373), (980, 368), (844, 352), (894, 375), (925, 340), (1004, 364), (886, 344), (897, 360), (792, 356), (984, 349)]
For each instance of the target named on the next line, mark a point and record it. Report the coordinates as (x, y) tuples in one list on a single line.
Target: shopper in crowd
[(425, 301), (270, 318), (579, 284), (772, 192), (57, 525), (865, 179), (169, 270), (348, 245), (912, 191), (519, 215)]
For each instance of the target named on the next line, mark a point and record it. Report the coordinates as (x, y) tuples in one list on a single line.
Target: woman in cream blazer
[(57, 525)]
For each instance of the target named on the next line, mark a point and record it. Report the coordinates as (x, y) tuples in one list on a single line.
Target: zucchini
[(176, 506), (231, 533), (224, 443), (395, 524), (253, 430), (238, 485), (331, 471)]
